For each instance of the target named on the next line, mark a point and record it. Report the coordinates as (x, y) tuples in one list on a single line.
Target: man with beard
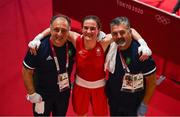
[(131, 82), (90, 79)]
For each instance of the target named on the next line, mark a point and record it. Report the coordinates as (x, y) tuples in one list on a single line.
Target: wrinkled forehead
[(60, 22), (119, 27)]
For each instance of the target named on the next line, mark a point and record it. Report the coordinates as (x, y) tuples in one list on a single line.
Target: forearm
[(28, 80), (43, 34), (138, 37), (135, 34), (106, 41), (72, 37), (150, 88), (143, 49), (46, 32)]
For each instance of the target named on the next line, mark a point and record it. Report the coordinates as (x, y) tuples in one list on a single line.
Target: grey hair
[(120, 20), (61, 16)]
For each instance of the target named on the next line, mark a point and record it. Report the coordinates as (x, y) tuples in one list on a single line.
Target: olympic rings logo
[(162, 20)]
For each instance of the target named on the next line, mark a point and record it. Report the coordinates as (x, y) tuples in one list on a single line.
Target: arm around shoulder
[(35, 43), (135, 34), (72, 37), (146, 51), (106, 41)]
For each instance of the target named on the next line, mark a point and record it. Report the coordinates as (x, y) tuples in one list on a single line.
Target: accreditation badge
[(63, 81), (138, 82), (127, 84), (132, 82)]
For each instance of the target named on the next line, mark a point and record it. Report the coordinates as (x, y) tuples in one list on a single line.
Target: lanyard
[(124, 63), (55, 56)]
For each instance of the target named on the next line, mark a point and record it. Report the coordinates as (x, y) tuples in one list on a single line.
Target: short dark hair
[(120, 20), (93, 17), (60, 16)]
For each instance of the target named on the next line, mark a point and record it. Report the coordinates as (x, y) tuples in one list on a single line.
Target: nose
[(88, 30), (59, 33), (119, 35)]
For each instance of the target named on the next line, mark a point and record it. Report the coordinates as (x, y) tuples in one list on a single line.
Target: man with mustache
[(90, 76), (131, 82)]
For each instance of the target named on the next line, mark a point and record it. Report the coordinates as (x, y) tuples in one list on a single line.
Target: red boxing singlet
[(90, 69), (90, 63)]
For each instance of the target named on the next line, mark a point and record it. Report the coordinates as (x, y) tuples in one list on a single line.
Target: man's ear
[(50, 27), (130, 30)]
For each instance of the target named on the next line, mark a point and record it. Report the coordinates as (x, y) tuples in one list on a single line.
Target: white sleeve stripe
[(150, 72), (27, 65)]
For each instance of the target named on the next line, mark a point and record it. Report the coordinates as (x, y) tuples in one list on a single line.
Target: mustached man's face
[(121, 35), (90, 29), (59, 31)]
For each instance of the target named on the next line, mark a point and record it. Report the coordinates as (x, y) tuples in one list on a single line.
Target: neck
[(89, 44)]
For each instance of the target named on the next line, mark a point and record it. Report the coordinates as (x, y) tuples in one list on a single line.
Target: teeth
[(60, 38), (121, 42)]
